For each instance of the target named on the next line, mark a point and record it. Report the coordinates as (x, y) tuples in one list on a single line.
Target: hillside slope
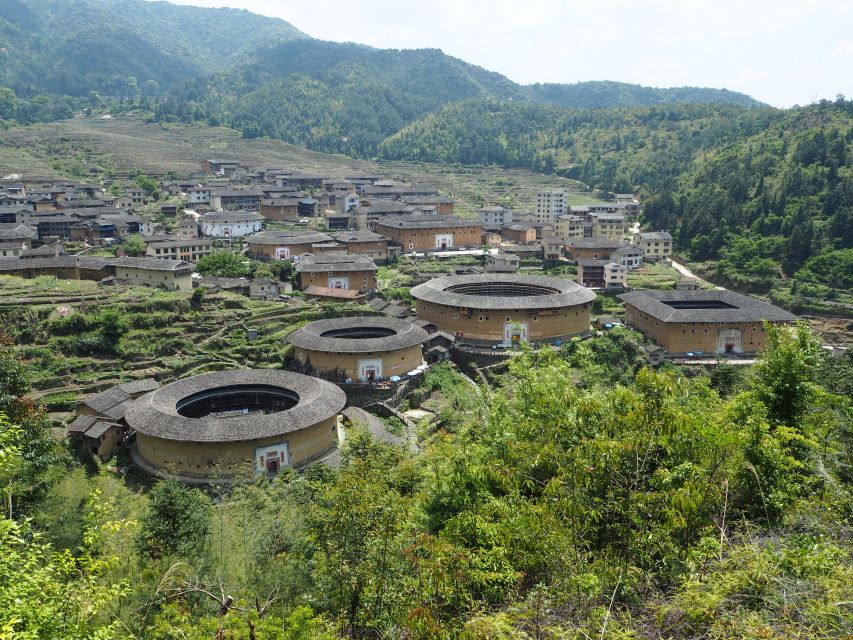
[(115, 47), (333, 97)]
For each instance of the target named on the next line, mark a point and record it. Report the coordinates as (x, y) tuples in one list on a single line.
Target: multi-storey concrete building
[(550, 204)]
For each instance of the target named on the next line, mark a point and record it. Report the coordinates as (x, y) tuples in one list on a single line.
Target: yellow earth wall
[(488, 325), (205, 459)]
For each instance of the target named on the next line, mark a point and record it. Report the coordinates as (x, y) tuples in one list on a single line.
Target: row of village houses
[(339, 264), (390, 218)]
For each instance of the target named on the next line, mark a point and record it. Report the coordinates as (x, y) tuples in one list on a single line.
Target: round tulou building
[(240, 423), (359, 349), (504, 308)]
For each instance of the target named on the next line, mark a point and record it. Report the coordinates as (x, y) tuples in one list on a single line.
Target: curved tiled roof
[(155, 414), (564, 293), (311, 335)]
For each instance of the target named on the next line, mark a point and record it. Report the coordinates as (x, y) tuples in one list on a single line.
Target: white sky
[(783, 52)]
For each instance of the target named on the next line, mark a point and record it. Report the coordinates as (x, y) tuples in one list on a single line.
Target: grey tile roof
[(358, 236), (595, 262), (396, 311), (155, 414), (655, 235), (230, 216), (383, 206), (350, 262), (742, 308), (135, 387), (99, 428), (427, 222), (84, 262), (311, 335), (555, 292), (273, 237), (629, 250), (281, 202), (14, 231), (593, 243), (106, 400), (152, 264), (81, 423), (374, 425)]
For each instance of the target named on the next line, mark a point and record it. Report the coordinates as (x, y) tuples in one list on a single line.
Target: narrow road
[(687, 273)]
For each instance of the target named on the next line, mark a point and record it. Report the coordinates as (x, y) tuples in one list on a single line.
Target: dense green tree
[(134, 245), (46, 593), (8, 104), (785, 376), (177, 522), (224, 264), (149, 185)]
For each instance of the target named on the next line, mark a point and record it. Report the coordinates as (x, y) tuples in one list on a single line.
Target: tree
[(786, 372), (148, 185), (134, 245), (726, 378), (8, 104), (197, 297), (53, 594), (40, 458), (224, 265), (177, 522), (151, 88)]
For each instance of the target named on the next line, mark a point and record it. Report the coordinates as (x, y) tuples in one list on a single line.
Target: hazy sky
[(783, 52)]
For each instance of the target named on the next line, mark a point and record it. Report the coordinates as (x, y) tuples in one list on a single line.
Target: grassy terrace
[(81, 339)]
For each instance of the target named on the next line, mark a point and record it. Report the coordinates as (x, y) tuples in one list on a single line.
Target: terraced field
[(93, 148), (54, 324)]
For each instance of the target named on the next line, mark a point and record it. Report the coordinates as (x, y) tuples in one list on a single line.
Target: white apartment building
[(199, 195), (495, 216), (550, 204)]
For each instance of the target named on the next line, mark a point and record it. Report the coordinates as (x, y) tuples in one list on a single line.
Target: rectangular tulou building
[(713, 322)]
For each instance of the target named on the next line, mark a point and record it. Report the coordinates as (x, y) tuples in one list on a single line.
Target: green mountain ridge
[(76, 46), (606, 93)]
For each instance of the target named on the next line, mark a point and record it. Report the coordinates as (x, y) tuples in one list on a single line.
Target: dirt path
[(687, 273)]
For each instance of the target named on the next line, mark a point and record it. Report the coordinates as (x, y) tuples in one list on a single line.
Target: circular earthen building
[(359, 349), (505, 308), (235, 424)]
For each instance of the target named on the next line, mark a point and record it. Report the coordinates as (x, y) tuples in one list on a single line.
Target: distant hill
[(605, 93), (333, 97), (77, 46)]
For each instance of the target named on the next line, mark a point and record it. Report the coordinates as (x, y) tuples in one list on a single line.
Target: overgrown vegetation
[(641, 504)]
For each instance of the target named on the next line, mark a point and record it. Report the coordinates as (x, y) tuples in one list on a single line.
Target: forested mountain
[(604, 93), (120, 47), (333, 97), (126, 48)]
